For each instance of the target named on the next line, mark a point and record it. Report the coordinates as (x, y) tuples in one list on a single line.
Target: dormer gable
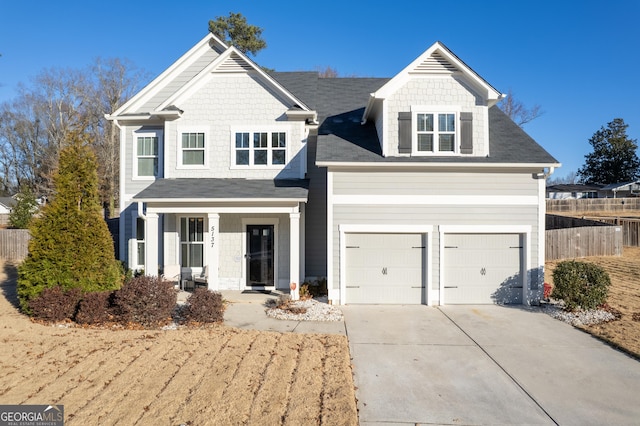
[(437, 105)]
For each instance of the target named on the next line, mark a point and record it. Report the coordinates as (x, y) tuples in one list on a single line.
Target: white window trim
[(207, 143), (134, 159), (435, 110), (260, 129), (194, 270)]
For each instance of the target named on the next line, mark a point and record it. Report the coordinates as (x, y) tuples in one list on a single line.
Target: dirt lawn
[(220, 375), (624, 295)]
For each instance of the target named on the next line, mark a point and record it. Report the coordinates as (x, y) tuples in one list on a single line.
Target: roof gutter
[(352, 164)]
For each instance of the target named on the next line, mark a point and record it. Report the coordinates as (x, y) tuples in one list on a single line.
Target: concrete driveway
[(485, 365)]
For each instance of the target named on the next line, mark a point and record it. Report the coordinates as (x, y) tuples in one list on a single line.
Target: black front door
[(260, 255)]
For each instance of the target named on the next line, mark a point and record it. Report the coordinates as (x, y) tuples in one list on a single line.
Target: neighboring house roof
[(8, 202), (573, 187), (618, 186), (225, 189)]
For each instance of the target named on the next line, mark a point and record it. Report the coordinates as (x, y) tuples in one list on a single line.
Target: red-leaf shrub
[(54, 304), (95, 308), (145, 300), (204, 306)]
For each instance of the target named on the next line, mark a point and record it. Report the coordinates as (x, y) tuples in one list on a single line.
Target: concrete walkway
[(485, 365), (247, 310)]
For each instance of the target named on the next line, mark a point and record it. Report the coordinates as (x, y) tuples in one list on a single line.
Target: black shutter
[(404, 132), (466, 133)]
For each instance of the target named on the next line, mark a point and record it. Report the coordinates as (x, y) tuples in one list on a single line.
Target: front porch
[(229, 243)]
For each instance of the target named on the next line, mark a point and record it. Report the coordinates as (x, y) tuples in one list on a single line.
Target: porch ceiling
[(225, 190)]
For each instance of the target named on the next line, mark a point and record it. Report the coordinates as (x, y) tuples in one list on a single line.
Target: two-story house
[(414, 189)]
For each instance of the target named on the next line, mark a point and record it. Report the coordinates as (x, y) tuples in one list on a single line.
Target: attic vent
[(233, 63), (435, 63)]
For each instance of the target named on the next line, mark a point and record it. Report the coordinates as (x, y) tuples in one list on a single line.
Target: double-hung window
[(259, 148), (435, 132), (147, 159), (192, 242), (193, 149)]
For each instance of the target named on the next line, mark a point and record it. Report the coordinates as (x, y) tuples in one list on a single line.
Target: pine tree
[(71, 246), (614, 158)]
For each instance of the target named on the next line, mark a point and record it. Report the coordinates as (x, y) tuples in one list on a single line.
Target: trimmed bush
[(204, 306), (95, 308), (145, 300), (580, 285), (54, 304)]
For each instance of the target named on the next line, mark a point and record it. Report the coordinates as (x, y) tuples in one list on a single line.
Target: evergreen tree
[(26, 206), (234, 30), (71, 246), (614, 158)]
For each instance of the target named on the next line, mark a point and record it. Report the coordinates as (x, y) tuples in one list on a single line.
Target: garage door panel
[(483, 268), (384, 268)]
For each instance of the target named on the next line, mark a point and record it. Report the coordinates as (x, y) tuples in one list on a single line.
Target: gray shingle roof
[(218, 189), (340, 103)]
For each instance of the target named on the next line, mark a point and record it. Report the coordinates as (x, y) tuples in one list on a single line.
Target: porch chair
[(172, 273), (201, 280)]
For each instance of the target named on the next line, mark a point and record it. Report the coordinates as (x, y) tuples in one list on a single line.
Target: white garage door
[(483, 268), (385, 268)]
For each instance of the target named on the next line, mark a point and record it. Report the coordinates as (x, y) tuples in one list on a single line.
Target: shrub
[(145, 300), (95, 308), (304, 292), (54, 304), (71, 246), (580, 284), (317, 287), (204, 306)]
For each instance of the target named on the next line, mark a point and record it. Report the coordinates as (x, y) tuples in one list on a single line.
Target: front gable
[(213, 114), (436, 106)]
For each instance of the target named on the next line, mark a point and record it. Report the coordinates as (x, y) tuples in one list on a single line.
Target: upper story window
[(147, 159), (436, 132), (192, 147), (260, 149)]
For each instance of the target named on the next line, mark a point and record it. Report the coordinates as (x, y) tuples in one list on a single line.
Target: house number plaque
[(213, 238)]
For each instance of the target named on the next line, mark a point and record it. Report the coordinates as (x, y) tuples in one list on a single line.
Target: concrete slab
[(400, 324), (576, 378), (485, 365)]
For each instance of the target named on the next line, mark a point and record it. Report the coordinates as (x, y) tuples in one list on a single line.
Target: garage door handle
[(353, 246), (420, 247), (416, 286), (450, 286), (353, 286)]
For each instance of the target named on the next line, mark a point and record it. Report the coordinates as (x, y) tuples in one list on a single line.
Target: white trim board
[(386, 199)]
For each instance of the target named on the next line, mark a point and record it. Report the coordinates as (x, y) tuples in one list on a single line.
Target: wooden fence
[(583, 241), (630, 228), (586, 205), (14, 244)]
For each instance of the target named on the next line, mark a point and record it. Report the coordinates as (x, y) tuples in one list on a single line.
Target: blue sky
[(579, 60)]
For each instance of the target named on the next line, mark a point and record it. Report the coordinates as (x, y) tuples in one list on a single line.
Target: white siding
[(226, 103), (442, 91)]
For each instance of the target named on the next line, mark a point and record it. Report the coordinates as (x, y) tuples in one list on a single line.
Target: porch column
[(294, 253), (151, 244), (213, 252)]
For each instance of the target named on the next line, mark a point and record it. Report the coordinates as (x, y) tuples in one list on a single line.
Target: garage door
[(384, 268), (483, 268)]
